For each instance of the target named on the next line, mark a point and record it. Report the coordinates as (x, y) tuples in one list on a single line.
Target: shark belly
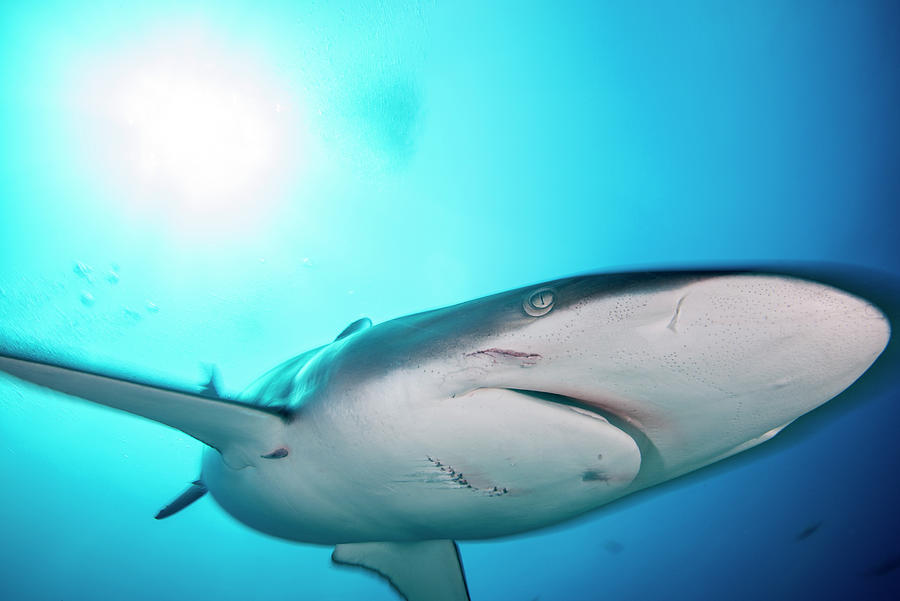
[(431, 471), (524, 463)]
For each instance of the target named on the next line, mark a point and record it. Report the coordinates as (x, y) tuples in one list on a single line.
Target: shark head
[(528, 407), (712, 359)]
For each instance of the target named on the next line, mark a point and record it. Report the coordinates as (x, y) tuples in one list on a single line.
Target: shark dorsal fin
[(213, 388), (357, 326), (420, 570)]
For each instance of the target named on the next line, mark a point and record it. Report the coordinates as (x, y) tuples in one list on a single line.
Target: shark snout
[(719, 361), (757, 332)]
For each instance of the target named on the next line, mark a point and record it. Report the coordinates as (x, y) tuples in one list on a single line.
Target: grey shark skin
[(508, 413)]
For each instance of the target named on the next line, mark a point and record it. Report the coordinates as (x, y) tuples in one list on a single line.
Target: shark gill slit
[(651, 460)]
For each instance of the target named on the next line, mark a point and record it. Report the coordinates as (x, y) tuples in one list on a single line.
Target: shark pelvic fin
[(196, 490), (357, 326), (428, 570), (240, 432)]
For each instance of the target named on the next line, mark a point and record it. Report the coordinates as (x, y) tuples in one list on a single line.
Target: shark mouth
[(651, 460), (528, 442), (592, 406)]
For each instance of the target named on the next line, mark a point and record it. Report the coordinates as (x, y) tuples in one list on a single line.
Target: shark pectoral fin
[(239, 431), (428, 570), (196, 490)]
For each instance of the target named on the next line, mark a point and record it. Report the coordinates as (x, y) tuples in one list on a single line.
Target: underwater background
[(232, 183)]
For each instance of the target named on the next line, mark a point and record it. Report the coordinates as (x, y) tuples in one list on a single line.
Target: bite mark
[(460, 480), (528, 359)]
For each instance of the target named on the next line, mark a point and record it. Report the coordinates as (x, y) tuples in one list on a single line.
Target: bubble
[(83, 271), (87, 299)]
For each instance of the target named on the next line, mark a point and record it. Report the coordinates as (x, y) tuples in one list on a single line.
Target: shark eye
[(539, 302)]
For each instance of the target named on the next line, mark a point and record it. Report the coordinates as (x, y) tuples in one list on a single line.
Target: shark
[(506, 414)]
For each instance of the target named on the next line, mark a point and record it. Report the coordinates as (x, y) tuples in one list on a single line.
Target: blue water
[(233, 183)]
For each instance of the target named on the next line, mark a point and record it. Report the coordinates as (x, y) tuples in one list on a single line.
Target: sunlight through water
[(190, 130)]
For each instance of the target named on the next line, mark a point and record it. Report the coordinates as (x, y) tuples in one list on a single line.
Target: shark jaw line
[(651, 461)]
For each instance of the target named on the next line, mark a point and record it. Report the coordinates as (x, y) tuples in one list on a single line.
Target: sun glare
[(191, 128)]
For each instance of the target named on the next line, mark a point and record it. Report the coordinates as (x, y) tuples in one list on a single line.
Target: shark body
[(507, 413)]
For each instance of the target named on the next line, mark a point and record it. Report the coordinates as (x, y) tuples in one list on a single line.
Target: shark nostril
[(539, 302)]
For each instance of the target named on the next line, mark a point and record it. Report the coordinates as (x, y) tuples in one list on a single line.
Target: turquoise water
[(233, 183)]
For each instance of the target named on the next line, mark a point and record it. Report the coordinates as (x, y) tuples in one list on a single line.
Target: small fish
[(808, 531), (885, 567)]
